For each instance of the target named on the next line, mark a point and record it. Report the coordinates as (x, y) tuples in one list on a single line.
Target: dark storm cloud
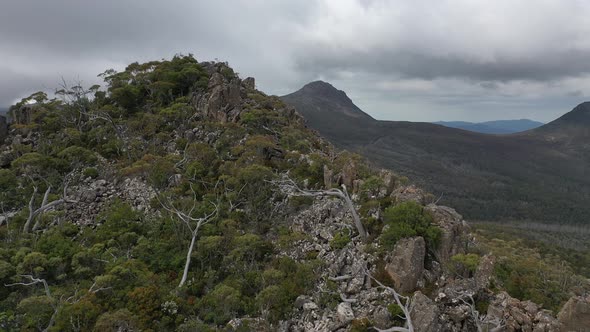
[(407, 64), (397, 59)]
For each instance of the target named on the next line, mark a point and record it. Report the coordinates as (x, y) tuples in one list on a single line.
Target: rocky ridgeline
[(346, 296)]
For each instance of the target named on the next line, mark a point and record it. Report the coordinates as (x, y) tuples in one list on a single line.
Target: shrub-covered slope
[(179, 197)]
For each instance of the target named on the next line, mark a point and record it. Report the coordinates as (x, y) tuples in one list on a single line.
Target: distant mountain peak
[(325, 89), (580, 114), (326, 100)]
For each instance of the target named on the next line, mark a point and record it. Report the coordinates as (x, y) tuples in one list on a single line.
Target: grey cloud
[(285, 44), (406, 64)]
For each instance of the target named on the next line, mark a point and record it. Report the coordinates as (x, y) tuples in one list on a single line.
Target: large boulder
[(405, 265), (575, 314), (409, 194), (424, 314), (455, 232)]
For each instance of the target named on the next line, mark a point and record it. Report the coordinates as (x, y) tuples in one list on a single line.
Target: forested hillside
[(538, 175)]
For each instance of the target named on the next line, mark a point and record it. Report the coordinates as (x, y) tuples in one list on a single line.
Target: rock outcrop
[(405, 265), (518, 315), (409, 194), (425, 314), (455, 233), (575, 314), (221, 101)]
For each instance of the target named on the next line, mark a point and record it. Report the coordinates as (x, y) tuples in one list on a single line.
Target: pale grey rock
[(455, 235), (575, 314), (424, 314), (405, 265), (344, 312)]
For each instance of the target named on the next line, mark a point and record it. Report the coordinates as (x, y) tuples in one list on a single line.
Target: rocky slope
[(141, 174)]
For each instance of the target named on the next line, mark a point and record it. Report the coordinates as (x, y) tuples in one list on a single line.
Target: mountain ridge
[(486, 177), (495, 126)]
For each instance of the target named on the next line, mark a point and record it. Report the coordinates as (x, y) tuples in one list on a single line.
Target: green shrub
[(466, 262), (90, 172), (406, 220), (340, 240)]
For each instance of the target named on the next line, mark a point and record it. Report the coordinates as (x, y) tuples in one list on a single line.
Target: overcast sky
[(412, 60)]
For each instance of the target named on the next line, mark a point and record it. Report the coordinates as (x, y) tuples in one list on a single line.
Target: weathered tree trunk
[(188, 259)]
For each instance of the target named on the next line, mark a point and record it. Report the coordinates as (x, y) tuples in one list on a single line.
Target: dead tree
[(34, 213), (482, 323), (34, 281), (290, 188), (403, 302), (192, 223)]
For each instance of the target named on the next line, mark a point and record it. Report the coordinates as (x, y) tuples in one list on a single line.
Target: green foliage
[(77, 155), (406, 220), (360, 325), (90, 172), (122, 272), (528, 275), (466, 262), (340, 240)]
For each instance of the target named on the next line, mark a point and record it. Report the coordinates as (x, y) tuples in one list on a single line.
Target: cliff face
[(178, 165)]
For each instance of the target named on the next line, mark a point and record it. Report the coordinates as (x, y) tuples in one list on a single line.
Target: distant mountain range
[(540, 174), (494, 127)]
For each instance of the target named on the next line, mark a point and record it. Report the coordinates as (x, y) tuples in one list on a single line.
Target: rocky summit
[(179, 198)]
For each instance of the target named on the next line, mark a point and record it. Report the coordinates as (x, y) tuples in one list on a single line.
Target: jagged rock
[(388, 179), (249, 83), (405, 264), (349, 173), (408, 194), (519, 316), (3, 128), (575, 314), (424, 314), (222, 101), (382, 318), (344, 313), (328, 175), (455, 233), (485, 271)]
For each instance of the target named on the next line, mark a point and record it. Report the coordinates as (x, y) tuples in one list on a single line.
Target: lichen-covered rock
[(575, 314), (222, 100), (424, 314), (408, 194), (484, 271), (344, 313), (405, 264), (454, 237), (519, 316)]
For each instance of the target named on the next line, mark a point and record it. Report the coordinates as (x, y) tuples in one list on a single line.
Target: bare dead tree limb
[(290, 188), (192, 223), (35, 213), (34, 281), (403, 302)]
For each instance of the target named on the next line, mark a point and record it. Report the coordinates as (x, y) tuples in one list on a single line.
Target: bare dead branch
[(404, 305), (290, 188)]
